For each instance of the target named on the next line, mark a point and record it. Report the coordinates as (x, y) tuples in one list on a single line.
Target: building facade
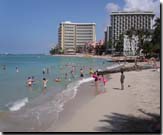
[(124, 21), (108, 38), (130, 45), (72, 37)]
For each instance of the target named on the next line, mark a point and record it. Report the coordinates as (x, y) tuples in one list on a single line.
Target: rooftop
[(69, 22), (133, 12)]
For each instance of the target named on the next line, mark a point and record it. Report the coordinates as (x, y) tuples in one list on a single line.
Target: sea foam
[(17, 105)]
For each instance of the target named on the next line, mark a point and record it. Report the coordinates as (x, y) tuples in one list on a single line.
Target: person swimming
[(29, 81), (57, 79)]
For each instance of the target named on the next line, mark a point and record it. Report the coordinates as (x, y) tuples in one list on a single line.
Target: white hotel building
[(123, 21), (73, 36)]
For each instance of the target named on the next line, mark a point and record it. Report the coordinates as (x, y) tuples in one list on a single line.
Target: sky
[(31, 26)]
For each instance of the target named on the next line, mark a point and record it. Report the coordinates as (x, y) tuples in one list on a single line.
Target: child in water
[(45, 82), (29, 82)]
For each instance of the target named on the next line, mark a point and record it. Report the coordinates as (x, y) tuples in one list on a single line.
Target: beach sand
[(134, 109)]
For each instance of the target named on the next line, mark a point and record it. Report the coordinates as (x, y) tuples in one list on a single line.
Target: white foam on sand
[(71, 91)]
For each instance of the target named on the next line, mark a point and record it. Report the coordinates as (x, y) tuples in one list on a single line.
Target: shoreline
[(86, 91), (95, 109)]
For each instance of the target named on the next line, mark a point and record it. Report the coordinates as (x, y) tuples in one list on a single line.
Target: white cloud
[(143, 5), (132, 5), (112, 7)]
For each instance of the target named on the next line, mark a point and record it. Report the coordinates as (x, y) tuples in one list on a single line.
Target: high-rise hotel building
[(123, 21), (73, 36)]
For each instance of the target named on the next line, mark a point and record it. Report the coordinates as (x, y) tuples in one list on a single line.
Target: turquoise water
[(22, 102)]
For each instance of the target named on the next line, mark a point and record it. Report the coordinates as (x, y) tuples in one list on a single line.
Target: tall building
[(72, 37), (123, 21), (108, 37)]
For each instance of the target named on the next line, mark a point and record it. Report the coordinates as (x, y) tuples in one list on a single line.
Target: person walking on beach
[(104, 80), (122, 78)]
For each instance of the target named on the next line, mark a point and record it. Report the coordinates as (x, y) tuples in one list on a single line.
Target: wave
[(40, 116), (70, 92), (115, 66), (17, 105)]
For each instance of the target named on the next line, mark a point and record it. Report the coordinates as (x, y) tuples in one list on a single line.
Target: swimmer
[(58, 79), (29, 82)]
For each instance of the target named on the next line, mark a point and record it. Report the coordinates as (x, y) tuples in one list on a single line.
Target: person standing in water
[(96, 78), (43, 71), (17, 70), (81, 73), (45, 83)]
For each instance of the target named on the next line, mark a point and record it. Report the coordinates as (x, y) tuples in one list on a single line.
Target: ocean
[(34, 108)]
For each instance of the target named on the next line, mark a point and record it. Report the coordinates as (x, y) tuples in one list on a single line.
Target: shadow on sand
[(116, 88), (128, 123)]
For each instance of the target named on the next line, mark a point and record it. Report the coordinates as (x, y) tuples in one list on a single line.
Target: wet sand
[(134, 109), (84, 95)]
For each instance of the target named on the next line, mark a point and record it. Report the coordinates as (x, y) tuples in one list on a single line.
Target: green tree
[(52, 51), (119, 44), (156, 36), (143, 36), (147, 48)]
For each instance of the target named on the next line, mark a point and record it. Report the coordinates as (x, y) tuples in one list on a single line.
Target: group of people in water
[(72, 74)]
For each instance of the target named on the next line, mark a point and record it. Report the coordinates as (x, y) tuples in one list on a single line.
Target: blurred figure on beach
[(104, 80), (122, 78)]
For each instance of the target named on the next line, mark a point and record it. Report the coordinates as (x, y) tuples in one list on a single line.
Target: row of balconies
[(130, 26), (132, 22), (131, 16)]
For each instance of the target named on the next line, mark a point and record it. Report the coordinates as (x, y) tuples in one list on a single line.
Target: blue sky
[(31, 26)]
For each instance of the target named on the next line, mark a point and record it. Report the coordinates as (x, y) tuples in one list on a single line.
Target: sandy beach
[(134, 109)]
